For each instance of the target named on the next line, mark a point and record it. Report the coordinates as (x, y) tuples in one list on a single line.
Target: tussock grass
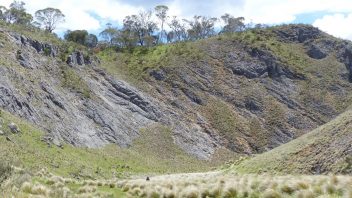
[(219, 184)]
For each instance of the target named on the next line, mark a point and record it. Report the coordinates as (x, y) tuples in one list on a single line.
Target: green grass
[(72, 80), (28, 151), (323, 147), (224, 119), (134, 65), (32, 32)]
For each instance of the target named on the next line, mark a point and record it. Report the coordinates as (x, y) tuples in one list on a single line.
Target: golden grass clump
[(87, 189)]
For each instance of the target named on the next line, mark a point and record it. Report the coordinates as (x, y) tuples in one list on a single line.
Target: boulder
[(158, 74), (14, 128), (316, 53)]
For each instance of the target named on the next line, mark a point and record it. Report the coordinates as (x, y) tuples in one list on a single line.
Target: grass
[(218, 184), (226, 121), (72, 80), (28, 151), (45, 184), (134, 65), (5, 171), (320, 151), (32, 32)]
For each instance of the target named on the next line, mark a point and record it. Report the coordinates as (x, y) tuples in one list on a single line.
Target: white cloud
[(336, 24), (82, 14), (92, 14), (285, 11)]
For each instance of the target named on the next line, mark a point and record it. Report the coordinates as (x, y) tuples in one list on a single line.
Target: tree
[(178, 30), (48, 18), (17, 14), (91, 41), (232, 24), (200, 27), (77, 36), (161, 13), (3, 11), (109, 34), (142, 27)]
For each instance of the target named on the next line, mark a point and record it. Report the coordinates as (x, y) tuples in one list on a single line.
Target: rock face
[(77, 58), (239, 97), (114, 113), (43, 48)]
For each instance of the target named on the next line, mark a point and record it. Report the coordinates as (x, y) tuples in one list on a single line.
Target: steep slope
[(65, 93), (327, 149), (242, 93), (251, 91)]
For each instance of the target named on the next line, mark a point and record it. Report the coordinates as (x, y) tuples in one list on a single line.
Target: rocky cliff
[(244, 93)]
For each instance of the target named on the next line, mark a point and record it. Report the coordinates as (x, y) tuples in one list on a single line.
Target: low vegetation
[(28, 150), (73, 81), (218, 184), (46, 184), (321, 151)]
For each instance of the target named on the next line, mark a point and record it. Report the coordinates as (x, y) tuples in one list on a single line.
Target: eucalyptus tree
[(232, 24), (161, 13), (49, 18)]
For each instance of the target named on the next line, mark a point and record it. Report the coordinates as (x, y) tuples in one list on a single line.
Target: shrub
[(287, 189), (5, 171), (230, 192)]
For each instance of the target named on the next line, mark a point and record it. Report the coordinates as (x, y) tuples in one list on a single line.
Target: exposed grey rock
[(77, 58), (52, 96), (263, 64), (116, 111), (14, 128), (43, 48), (252, 105), (158, 74), (24, 60), (298, 33), (345, 56), (139, 102), (316, 53), (193, 96)]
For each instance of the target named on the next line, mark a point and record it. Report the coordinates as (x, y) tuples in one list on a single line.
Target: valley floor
[(209, 184)]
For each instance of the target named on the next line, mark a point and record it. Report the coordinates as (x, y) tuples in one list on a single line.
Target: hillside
[(78, 122), (214, 99), (326, 149), (247, 92)]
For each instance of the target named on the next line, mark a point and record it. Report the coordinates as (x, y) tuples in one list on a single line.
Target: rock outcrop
[(238, 96)]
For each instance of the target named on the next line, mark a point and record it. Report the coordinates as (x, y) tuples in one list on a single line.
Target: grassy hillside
[(256, 89), (28, 150), (326, 149)]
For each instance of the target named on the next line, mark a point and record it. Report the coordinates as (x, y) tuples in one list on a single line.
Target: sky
[(331, 16)]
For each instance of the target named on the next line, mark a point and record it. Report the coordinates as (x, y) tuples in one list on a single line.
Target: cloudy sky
[(332, 16)]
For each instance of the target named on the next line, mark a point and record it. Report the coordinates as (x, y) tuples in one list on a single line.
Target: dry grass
[(218, 184), (191, 185)]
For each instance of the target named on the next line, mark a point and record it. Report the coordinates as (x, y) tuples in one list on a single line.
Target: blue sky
[(332, 16)]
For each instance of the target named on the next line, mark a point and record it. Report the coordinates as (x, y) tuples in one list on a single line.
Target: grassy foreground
[(219, 184), (191, 185)]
